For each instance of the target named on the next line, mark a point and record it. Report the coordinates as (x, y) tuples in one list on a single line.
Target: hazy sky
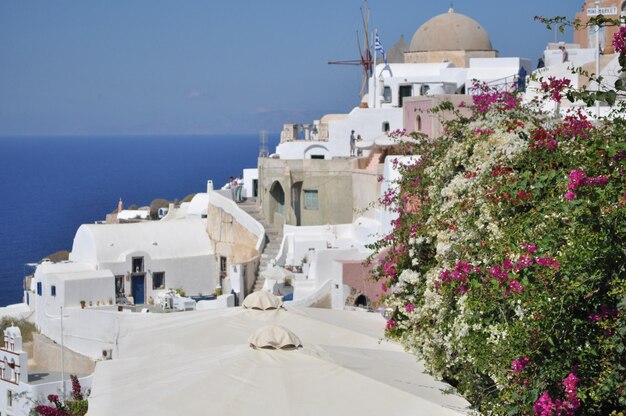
[(206, 66)]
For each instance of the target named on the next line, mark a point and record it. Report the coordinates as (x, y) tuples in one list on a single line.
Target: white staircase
[(273, 239)]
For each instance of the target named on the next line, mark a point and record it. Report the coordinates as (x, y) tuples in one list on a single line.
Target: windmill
[(365, 62)]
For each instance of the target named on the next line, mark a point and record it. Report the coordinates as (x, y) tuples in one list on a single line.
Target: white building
[(446, 55), (19, 388), (124, 263), (586, 59)]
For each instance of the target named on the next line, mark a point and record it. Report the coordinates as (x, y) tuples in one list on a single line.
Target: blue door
[(138, 289)]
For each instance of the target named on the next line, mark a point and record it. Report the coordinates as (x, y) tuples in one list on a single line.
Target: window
[(317, 156), (418, 123), (158, 280), (39, 288), (405, 91), (53, 290), (223, 266), (9, 399), (387, 95), (137, 264), (386, 127), (311, 200)]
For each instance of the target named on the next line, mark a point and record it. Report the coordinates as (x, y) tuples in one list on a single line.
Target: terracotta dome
[(450, 32)]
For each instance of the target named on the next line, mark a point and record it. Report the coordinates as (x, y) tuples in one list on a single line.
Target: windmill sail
[(365, 51)]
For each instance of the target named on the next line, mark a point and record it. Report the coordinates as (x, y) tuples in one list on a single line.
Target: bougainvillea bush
[(75, 406), (506, 269)]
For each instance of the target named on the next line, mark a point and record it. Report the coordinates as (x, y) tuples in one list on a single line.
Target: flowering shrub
[(506, 269), (77, 406)]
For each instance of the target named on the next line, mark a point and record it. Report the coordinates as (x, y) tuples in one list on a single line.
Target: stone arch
[(277, 200), (362, 301), (357, 299), (11, 375)]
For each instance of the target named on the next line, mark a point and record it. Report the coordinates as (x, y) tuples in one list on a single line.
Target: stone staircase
[(273, 238)]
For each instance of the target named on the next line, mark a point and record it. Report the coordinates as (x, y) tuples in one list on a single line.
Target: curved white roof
[(198, 205), (98, 243)]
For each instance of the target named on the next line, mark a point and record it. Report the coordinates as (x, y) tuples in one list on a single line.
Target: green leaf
[(611, 96)]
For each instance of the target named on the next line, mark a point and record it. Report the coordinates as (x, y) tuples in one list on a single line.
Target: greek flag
[(379, 48)]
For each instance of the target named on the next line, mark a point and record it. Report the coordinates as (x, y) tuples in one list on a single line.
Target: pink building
[(418, 117)]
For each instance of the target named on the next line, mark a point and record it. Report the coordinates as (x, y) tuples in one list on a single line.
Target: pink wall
[(357, 276), (413, 109)]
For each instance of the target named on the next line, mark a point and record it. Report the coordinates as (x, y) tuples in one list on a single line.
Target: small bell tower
[(13, 358)]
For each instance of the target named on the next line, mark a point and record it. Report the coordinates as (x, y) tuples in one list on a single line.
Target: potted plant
[(82, 304), (304, 268)]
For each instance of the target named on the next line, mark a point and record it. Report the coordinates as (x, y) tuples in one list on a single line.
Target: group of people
[(236, 188), (353, 150)]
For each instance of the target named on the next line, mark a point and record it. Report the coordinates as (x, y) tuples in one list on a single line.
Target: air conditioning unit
[(107, 354)]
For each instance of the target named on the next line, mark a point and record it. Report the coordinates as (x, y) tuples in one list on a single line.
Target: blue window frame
[(53, 290), (39, 289)]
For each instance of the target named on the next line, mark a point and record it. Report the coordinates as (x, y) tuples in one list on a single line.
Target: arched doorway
[(296, 192), (277, 200)]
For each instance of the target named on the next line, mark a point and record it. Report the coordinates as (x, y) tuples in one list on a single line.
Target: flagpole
[(374, 65), (62, 358), (598, 59)]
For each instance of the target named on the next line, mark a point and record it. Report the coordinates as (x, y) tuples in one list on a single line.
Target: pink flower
[(515, 286), (576, 179), (555, 87), (594, 317), (619, 40), (507, 264), (523, 263), (544, 406), (391, 325), (530, 248), (600, 181), (409, 307), (520, 364), (570, 195), (570, 384), (547, 262)]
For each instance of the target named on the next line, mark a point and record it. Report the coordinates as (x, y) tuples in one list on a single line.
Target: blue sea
[(49, 186)]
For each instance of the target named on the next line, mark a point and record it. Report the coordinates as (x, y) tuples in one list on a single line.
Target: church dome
[(450, 32)]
